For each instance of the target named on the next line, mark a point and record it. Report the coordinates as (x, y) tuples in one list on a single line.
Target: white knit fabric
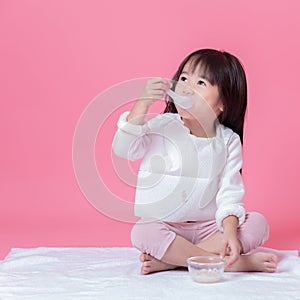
[(183, 177)]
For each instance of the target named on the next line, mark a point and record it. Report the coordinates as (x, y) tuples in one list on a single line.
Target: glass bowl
[(206, 269)]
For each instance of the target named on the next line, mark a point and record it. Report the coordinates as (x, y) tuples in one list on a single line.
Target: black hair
[(224, 70)]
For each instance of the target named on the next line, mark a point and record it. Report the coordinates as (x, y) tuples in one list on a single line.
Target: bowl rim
[(215, 260)]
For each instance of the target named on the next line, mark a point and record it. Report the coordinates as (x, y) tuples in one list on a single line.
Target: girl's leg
[(180, 249), (175, 256), (252, 234), (166, 250), (256, 262), (162, 246)]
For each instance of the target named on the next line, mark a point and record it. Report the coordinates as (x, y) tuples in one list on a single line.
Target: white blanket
[(114, 273)]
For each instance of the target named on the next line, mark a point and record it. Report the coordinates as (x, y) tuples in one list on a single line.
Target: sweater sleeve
[(231, 191), (130, 140)]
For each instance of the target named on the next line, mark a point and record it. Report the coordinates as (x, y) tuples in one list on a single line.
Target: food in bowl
[(206, 269)]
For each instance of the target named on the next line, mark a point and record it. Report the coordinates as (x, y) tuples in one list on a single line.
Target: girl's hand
[(231, 247), (155, 89)]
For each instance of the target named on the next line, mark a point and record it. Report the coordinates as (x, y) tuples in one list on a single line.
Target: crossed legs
[(164, 248)]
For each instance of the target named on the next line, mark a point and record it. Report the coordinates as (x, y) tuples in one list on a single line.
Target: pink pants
[(155, 237)]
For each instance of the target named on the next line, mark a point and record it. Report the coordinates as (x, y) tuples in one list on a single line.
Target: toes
[(145, 257), (142, 257), (270, 266), (146, 268), (274, 258), (271, 269), (272, 261), (147, 264), (270, 257), (148, 257)]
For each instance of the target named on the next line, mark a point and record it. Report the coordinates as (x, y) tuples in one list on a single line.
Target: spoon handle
[(182, 101)]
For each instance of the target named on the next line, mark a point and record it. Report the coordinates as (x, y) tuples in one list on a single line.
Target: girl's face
[(196, 86)]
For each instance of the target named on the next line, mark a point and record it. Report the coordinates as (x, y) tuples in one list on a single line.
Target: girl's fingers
[(223, 250), (160, 84), (234, 255), (154, 95), (160, 80), (156, 88), (230, 261)]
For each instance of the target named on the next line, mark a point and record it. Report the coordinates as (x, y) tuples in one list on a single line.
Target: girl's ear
[(221, 106)]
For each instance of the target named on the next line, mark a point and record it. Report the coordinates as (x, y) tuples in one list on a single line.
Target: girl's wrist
[(144, 104), (230, 224), (138, 112)]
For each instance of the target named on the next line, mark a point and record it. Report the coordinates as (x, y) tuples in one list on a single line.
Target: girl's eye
[(183, 78), (201, 82)]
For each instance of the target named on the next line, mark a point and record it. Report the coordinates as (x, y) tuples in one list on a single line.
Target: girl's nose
[(187, 91)]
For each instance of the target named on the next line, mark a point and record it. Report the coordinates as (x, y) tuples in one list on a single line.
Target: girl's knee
[(143, 234), (259, 224), (137, 234), (152, 238), (254, 232)]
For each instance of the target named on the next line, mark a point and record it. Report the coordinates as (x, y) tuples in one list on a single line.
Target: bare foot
[(151, 264), (256, 262)]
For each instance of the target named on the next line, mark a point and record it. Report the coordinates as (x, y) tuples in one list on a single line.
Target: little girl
[(190, 190)]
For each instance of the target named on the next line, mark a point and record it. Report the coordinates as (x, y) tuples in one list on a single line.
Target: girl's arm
[(231, 190), (155, 88), (230, 244), (231, 213), (131, 139)]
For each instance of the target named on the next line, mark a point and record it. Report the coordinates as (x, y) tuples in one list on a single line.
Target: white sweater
[(183, 177)]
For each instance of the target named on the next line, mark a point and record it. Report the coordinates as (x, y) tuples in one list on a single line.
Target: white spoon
[(182, 101)]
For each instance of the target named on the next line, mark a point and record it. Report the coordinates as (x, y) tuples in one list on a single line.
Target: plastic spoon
[(182, 101)]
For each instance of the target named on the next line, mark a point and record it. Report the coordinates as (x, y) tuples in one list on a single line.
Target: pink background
[(56, 56)]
